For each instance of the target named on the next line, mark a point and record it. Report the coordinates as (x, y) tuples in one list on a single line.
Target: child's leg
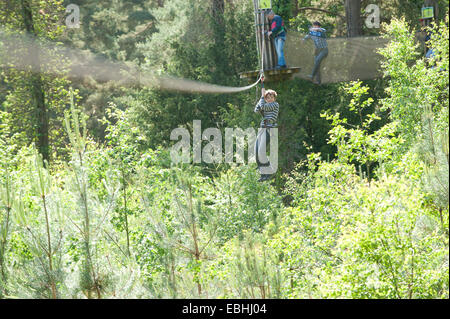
[(322, 54), (279, 47), (262, 141), (316, 66)]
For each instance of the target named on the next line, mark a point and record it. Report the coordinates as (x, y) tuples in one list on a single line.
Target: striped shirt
[(318, 35), (269, 112)]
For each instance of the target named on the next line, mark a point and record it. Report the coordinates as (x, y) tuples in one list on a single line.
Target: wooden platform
[(271, 75)]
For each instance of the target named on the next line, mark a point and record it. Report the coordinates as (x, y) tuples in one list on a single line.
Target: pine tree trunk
[(37, 90), (4, 235), (218, 28), (353, 15), (195, 237), (218, 7), (127, 229), (49, 245), (3, 289)]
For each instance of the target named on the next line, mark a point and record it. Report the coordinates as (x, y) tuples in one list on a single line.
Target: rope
[(262, 40), (82, 65), (263, 47), (191, 86), (175, 84)]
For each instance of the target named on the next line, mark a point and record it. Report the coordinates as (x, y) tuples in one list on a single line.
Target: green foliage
[(114, 28), (414, 87), (181, 229), (90, 278), (114, 218), (192, 44), (346, 238), (283, 8), (251, 269), (239, 204), (20, 81), (358, 144), (418, 101)]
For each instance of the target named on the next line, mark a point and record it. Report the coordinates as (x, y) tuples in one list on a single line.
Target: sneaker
[(309, 76)]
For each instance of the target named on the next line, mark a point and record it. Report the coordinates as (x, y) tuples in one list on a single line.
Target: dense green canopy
[(359, 207)]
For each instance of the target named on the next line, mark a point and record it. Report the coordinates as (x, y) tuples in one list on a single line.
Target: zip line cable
[(349, 59), (24, 52)]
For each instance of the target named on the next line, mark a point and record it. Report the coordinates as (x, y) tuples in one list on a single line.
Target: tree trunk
[(353, 15), (195, 238), (218, 50), (218, 9), (37, 90)]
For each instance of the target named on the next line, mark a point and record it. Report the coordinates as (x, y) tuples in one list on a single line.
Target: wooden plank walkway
[(271, 75)]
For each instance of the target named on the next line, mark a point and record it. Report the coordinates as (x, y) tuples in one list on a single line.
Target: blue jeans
[(279, 47), (320, 55), (261, 148), (430, 54)]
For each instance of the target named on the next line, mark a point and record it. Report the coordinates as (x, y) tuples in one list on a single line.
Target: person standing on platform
[(278, 33)]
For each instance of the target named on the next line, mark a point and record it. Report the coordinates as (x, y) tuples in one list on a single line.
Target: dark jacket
[(277, 27)]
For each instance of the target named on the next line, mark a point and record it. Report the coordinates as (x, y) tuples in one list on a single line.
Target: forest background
[(91, 205)]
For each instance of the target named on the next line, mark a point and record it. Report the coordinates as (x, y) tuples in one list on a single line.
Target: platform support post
[(264, 42)]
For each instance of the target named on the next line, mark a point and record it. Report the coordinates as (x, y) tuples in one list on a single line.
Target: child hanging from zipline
[(268, 108), (318, 35)]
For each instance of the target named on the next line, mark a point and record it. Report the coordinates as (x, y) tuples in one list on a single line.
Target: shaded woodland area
[(91, 205)]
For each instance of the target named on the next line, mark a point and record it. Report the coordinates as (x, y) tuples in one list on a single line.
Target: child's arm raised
[(259, 107)]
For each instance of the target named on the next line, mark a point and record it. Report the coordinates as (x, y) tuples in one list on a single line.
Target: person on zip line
[(278, 33), (318, 35), (268, 108)]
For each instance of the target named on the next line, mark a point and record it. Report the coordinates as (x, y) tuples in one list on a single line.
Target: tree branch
[(322, 10)]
